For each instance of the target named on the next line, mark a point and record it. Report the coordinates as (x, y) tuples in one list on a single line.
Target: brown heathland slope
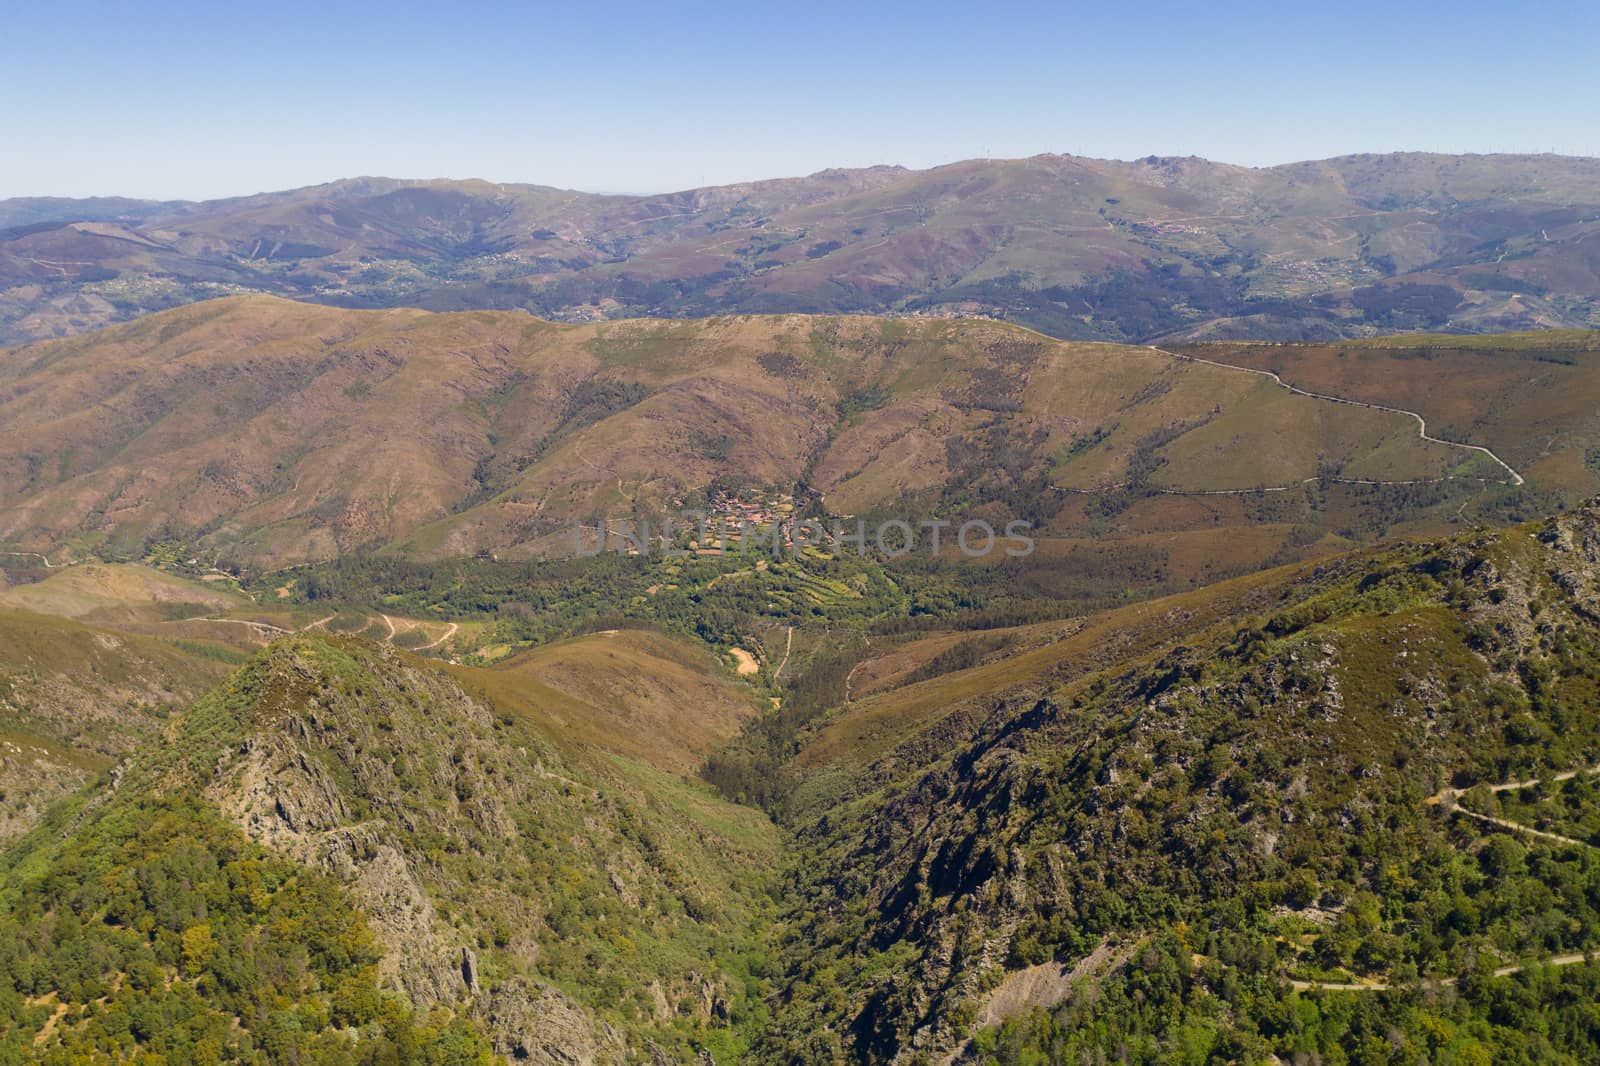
[(280, 432), (647, 695), (1533, 398), (119, 595), (1046, 655), (75, 699)]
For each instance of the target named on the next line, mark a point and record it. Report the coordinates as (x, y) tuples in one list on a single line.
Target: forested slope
[(1138, 862)]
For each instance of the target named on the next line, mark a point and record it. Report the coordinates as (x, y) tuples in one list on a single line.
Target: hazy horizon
[(411, 179), (205, 103)]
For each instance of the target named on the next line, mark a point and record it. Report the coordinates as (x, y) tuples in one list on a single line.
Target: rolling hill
[(1532, 398), (1076, 247), (1249, 761), (623, 691), (269, 432)]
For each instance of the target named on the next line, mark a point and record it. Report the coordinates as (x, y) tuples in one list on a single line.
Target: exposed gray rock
[(534, 1023)]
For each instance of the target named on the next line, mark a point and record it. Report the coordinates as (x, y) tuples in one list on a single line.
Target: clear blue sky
[(197, 100)]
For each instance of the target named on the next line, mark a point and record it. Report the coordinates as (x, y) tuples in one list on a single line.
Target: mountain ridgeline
[(263, 433), (368, 857), (1162, 860), (1076, 247)]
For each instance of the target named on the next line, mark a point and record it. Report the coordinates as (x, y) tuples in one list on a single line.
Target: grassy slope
[(75, 699), (655, 699), (119, 595), (1532, 397)]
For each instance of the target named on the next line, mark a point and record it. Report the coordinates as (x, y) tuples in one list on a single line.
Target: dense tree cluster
[(159, 933)]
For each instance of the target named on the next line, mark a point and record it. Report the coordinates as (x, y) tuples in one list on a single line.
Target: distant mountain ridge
[(1078, 248)]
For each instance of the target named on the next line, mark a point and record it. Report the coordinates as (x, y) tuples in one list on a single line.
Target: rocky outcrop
[(536, 1024), (286, 797), (378, 769)]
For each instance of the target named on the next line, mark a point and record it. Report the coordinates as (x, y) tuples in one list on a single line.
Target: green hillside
[(317, 744), (357, 853), (1252, 822), (74, 700), (1158, 859)]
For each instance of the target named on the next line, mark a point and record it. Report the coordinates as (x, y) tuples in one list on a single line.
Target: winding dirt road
[(788, 646), (1565, 775), (260, 627), (450, 630), (48, 565), (1384, 986), (1422, 423), (1446, 798), (1516, 827)]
